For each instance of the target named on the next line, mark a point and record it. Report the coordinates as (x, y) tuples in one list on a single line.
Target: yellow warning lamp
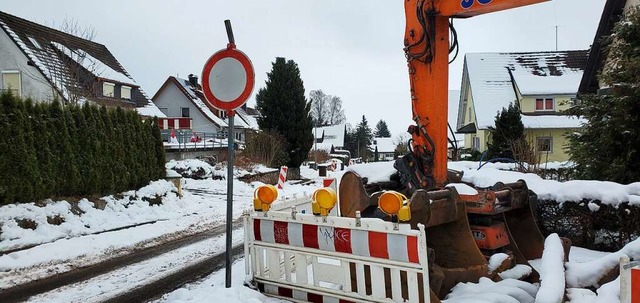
[(324, 199), (394, 203), (263, 196)]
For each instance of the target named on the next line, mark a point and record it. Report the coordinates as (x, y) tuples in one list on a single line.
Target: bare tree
[(326, 109), (73, 71), (319, 106), (336, 114)]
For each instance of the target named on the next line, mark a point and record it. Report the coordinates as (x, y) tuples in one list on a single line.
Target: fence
[(189, 140), (308, 258)]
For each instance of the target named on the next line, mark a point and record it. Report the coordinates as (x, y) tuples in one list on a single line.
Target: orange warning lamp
[(393, 203), (263, 196), (324, 199)]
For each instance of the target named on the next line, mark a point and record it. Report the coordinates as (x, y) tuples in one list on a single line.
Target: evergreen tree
[(507, 132), (364, 139), (350, 141), (63, 149), (284, 109), (156, 141), (107, 151), (42, 140), (382, 131), (607, 147)]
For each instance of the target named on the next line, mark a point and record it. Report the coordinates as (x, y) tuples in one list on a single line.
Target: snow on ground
[(552, 275), (87, 238)]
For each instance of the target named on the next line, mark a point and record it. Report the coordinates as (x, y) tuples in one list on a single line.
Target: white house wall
[(173, 100), (34, 84)]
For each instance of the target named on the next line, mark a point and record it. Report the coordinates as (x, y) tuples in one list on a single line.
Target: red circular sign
[(227, 79)]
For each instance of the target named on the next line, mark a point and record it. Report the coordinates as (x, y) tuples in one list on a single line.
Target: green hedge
[(47, 150)]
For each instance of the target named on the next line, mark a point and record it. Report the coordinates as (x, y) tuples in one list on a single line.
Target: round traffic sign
[(227, 79)]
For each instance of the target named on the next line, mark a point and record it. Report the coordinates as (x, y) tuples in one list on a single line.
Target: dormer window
[(108, 89), (545, 104), (125, 92)]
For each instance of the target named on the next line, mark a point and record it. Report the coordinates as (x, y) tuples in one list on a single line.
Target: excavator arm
[(427, 46)]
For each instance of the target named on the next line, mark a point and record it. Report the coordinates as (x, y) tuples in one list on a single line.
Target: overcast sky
[(348, 48)]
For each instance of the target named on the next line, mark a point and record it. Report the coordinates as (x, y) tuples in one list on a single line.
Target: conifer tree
[(107, 150), (38, 191), (17, 168), (284, 109), (508, 131), (364, 139), (65, 166), (607, 147), (156, 141), (382, 130)]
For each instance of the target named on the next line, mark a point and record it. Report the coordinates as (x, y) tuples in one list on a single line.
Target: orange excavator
[(462, 230)]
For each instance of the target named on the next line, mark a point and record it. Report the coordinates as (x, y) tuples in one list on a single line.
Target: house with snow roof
[(179, 97), (385, 147), (42, 63), (329, 137), (543, 84)]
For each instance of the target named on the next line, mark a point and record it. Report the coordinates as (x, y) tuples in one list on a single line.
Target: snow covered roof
[(493, 79), (195, 95), (61, 57), (328, 136), (384, 145)]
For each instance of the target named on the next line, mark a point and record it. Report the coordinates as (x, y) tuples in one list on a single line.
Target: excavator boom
[(427, 47)]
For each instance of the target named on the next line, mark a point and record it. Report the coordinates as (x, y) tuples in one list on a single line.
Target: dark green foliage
[(364, 139), (508, 132), (50, 151), (382, 130), (285, 109), (608, 145)]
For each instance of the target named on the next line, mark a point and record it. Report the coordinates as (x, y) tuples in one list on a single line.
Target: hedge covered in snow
[(50, 150)]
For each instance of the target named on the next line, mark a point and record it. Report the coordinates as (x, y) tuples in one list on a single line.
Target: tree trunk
[(293, 173)]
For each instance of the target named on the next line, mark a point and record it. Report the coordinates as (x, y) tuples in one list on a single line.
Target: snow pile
[(608, 293), (496, 260), (552, 279), (587, 274), (374, 172), (517, 272), (570, 191), (505, 291), (195, 169), (463, 189)]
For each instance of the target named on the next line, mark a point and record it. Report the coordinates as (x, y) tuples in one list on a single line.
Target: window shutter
[(539, 104), (548, 104)]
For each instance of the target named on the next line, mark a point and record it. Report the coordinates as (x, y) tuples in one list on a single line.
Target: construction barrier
[(307, 258), (629, 281), (282, 177)]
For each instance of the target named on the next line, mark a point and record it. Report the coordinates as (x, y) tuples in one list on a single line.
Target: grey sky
[(352, 49)]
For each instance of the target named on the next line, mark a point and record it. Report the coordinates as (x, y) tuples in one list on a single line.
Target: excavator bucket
[(455, 257), (510, 205)]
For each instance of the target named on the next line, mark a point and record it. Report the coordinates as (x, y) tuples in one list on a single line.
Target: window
[(165, 111), (475, 142), (545, 144), (222, 114), (470, 116), (11, 81), (108, 89), (125, 92), (545, 104), (185, 112)]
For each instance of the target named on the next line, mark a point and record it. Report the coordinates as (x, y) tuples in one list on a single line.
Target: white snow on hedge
[(587, 274), (552, 279)]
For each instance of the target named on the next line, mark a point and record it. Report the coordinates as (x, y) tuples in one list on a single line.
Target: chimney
[(193, 79)]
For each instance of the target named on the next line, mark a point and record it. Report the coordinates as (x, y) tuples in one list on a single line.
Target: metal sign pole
[(230, 138), (230, 142)]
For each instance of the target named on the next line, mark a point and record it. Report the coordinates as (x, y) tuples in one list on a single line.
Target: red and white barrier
[(310, 259), (282, 177), (629, 281)]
